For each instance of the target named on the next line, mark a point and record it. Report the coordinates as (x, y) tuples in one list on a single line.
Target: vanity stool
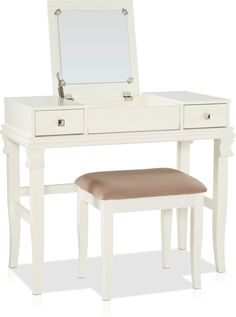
[(132, 190)]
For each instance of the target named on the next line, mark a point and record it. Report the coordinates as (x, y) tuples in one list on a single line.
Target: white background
[(182, 45)]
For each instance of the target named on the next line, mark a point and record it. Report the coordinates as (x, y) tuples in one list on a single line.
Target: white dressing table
[(110, 111)]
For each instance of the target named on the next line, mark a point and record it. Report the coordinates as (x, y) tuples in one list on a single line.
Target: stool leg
[(107, 251), (82, 223), (196, 240), (182, 221), (166, 224)]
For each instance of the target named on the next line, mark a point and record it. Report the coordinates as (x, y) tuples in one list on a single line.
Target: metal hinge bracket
[(58, 12), (124, 11)]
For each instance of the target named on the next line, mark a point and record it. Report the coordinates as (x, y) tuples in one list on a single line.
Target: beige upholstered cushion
[(139, 183)]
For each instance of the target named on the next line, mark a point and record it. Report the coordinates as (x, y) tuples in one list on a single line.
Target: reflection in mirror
[(94, 46)]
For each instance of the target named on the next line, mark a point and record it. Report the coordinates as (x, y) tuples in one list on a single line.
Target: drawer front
[(205, 116), (135, 119), (59, 122)]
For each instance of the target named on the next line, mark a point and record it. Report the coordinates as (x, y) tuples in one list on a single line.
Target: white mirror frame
[(92, 90)]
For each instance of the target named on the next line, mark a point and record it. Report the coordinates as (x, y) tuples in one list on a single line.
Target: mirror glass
[(94, 46)]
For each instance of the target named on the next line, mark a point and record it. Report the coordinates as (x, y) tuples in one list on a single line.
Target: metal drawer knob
[(61, 122), (207, 116)]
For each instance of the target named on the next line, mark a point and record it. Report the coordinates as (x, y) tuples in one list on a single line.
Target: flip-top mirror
[(93, 47)]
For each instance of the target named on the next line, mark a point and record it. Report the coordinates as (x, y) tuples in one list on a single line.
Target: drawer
[(133, 119), (59, 122), (205, 116)]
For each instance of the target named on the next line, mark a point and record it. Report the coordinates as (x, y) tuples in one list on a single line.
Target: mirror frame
[(98, 89)]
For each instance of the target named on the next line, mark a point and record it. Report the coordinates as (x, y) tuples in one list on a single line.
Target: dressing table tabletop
[(153, 117)]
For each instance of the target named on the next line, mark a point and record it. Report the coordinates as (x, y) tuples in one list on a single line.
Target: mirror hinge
[(124, 11), (57, 12), (61, 92)]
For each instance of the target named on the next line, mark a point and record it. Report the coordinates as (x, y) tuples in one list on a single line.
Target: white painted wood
[(51, 189), (107, 251), (140, 204), (196, 240), (196, 116), (47, 122), (183, 162), (116, 138), (24, 110), (82, 223), (71, 188), (183, 155), (90, 102), (35, 164), (22, 212), (40, 103), (221, 153), (131, 119), (96, 90), (19, 115), (20, 111), (166, 223), (13, 182), (208, 202), (188, 98)]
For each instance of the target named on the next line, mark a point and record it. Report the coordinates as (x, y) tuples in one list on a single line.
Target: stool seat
[(114, 185)]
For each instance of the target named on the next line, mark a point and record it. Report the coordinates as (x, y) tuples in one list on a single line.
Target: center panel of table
[(133, 119)]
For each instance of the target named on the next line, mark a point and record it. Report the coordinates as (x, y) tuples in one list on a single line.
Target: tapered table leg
[(13, 183), (35, 164), (222, 151), (196, 240)]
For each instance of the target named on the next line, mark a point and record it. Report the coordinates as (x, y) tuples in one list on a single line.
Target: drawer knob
[(61, 122), (207, 116)]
